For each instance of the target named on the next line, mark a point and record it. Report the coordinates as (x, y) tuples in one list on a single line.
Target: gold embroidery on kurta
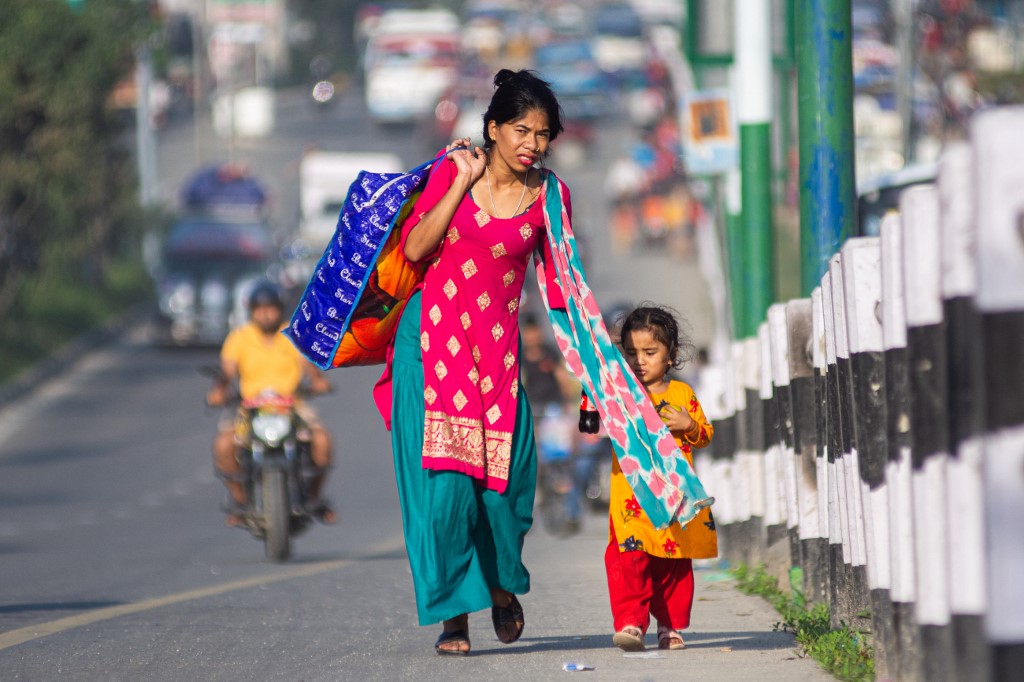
[(510, 360), (467, 322), (493, 414), (440, 370), (453, 235), (509, 277), (515, 388), (526, 232), (483, 300), (435, 314), (430, 395), (474, 375), (462, 440), (513, 305), (498, 250), (496, 331), (460, 400), (469, 268), (481, 217), (454, 346), (425, 341), (486, 385), (450, 289)]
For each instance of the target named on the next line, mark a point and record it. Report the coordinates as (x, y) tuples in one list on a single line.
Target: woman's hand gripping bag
[(349, 312)]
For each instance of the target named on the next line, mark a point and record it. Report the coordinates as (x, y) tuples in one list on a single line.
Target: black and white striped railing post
[(826, 525), (751, 459), (777, 355), (998, 144), (965, 521), (839, 546), (722, 450), (726, 444), (899, 465), (929, 416), (862, 283), (813, 541), (858, 609), (778, 555), (714, 389), (840, 555)]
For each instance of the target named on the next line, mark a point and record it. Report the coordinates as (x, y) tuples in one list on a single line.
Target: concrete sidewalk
[(568, 620)]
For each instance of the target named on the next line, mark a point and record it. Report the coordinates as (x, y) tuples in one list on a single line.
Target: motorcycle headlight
[(271, 428)]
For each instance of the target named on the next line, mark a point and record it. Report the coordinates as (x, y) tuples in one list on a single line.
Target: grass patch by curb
[(843, 652)]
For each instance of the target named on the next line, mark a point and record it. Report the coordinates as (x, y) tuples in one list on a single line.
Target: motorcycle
[(555, 430), (276, 472)]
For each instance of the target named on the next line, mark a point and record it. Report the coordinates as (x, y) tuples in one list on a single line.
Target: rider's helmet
[(265, 293)]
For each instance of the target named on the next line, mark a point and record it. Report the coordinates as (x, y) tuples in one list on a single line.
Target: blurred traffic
[(423, 74)]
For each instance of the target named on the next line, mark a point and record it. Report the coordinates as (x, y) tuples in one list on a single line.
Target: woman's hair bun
[(503, 77)]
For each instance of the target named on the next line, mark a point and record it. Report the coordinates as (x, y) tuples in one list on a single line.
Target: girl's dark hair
[(517, 92), (663, 325)]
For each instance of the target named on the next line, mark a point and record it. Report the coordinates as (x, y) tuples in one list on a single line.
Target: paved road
[(114, 564), (116, 567)]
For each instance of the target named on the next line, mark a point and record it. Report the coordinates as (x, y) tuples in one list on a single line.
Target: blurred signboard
[(710, 143), (259, 11)]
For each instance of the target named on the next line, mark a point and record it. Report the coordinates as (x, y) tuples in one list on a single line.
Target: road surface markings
[(13, 638)]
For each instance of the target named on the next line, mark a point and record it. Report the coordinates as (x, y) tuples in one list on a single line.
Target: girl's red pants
[(641, 585)]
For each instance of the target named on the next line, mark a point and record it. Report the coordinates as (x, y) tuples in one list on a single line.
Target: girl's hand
[(676, 418)]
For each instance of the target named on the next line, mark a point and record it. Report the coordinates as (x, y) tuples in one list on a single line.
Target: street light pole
[(754, 114), (825, 103), (145, 141)]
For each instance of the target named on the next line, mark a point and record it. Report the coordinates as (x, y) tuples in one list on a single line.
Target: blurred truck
[(411, 57)]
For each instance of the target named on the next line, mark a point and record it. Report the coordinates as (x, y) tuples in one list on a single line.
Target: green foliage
[(843, 652), (67, 184), (54, 311)]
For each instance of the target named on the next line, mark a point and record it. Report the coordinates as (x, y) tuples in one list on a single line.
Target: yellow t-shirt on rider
[(264, 362)]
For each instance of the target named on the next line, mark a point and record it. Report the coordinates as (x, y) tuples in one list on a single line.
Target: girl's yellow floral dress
[(632, 528)]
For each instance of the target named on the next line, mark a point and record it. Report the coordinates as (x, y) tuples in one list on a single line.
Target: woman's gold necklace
[(490, 194)]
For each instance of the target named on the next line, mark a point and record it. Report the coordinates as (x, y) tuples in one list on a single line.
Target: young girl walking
[(650, 571)]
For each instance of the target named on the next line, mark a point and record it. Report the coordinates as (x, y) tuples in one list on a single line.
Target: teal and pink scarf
[(665, 484)]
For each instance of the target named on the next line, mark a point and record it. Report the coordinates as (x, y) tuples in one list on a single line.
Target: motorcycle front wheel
[(276, 515)]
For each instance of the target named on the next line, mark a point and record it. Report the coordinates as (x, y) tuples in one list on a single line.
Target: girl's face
[(521, 143), (648, 357)]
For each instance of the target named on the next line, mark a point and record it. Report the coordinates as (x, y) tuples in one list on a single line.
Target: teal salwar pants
[(462, 539)]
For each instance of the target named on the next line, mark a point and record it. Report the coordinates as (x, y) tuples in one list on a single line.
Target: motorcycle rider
[(260, 358)]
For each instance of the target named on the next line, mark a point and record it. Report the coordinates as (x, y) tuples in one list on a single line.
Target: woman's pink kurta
[(470, 331)]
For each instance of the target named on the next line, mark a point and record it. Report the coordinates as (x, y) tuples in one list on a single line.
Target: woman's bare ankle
[(501, 598), (457, 623)]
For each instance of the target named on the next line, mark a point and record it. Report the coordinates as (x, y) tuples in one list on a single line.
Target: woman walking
[(462, 430)]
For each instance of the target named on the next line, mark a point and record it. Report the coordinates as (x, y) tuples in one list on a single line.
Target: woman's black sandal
[(503, 616), (453, 636)]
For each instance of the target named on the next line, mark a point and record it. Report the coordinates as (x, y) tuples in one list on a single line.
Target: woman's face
[(521, 143)]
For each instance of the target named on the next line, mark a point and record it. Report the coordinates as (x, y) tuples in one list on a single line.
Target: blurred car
[(207, 266), (619, 44), (572, 70)]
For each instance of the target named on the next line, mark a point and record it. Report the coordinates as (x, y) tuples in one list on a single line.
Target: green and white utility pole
[(753, 90), (828, 191)]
